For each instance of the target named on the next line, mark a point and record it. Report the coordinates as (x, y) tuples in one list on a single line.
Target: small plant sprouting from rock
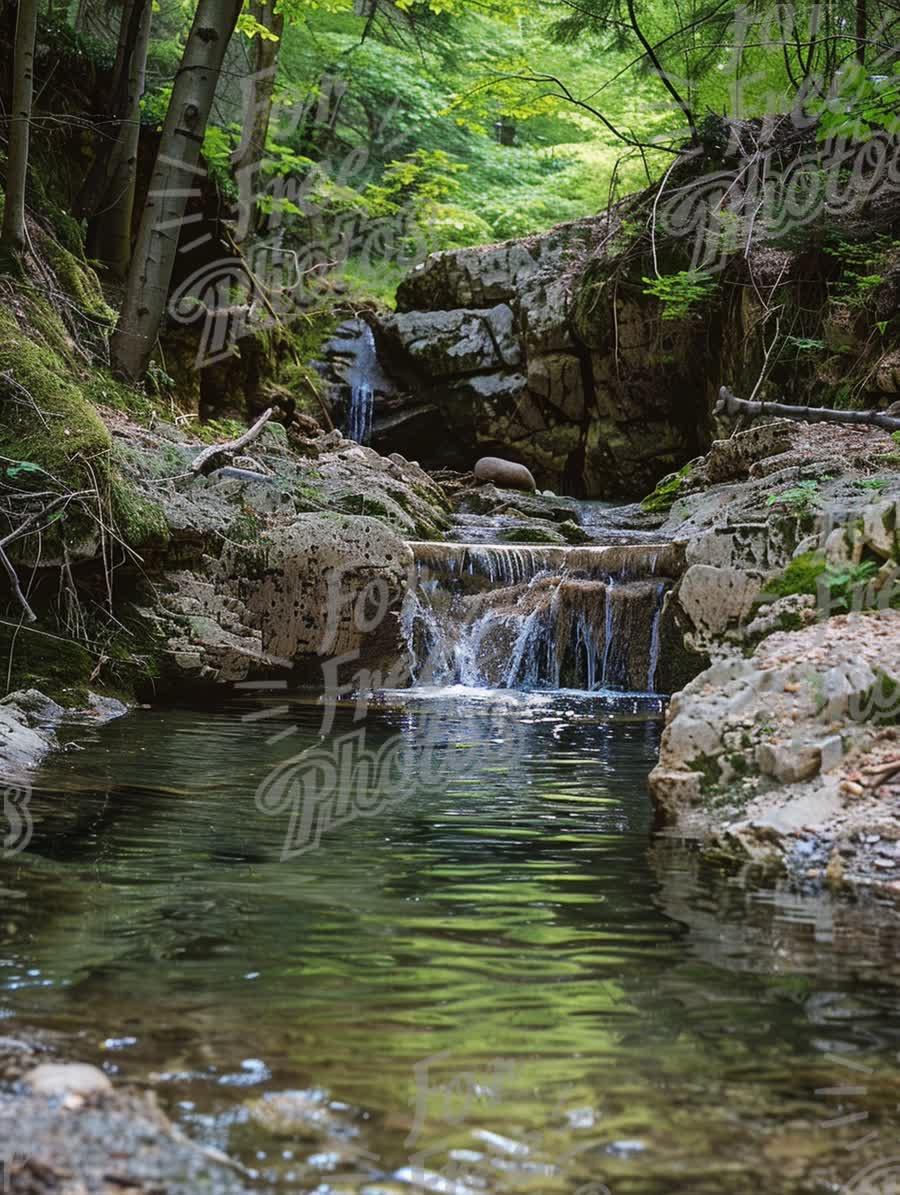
[(681, 294), (798, 499), (847, 586)]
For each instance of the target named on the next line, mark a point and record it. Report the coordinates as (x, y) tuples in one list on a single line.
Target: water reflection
[(499, 984)]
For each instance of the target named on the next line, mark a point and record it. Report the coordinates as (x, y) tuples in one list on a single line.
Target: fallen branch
[(217, 455), (729, 405), (881, 773)]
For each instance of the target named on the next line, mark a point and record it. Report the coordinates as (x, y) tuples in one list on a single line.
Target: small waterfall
[(362, 391), (504, 616), (653, 666)]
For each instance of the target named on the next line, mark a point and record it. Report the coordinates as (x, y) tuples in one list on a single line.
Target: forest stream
[(449, 597), (492, 978)]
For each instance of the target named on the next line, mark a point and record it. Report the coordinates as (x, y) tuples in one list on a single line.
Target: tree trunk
[(109, 234), (174, 180), (862, 24), (94, 189), (258, 97), (12, 238)]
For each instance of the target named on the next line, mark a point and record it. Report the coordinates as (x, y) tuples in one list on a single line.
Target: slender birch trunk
[(176, 177)]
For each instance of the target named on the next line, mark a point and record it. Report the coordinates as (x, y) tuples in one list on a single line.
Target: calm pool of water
[(481, 973)]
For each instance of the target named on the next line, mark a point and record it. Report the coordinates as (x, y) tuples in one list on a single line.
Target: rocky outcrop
[(541, 350), (497, 342), (277, 567), (791, 595), (29, 721), (77, 1134), (594, 353), (802, 734)]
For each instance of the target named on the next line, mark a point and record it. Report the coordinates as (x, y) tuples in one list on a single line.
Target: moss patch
[(65, 437), (800, 576), (71, 439), (531, 535), (709, 768), (57, 666), (78, 282), (667, 491)]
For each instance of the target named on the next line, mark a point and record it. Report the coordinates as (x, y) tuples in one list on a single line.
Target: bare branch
[(729, 405), (216, 455)]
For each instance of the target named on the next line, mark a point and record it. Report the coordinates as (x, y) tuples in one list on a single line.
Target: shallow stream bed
[(477, 970)]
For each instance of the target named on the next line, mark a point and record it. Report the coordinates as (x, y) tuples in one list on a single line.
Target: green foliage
[(860, 105), (219, 429), (800, 576), (804, 344), (218, 146), (798, 499), (58, 38), (847, 586), (861, 262), (681, 294)]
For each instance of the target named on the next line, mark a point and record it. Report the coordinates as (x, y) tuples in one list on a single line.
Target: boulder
[(493, 470), (56, 1079)]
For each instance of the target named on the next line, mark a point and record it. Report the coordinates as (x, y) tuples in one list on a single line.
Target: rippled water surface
[(493, 981)]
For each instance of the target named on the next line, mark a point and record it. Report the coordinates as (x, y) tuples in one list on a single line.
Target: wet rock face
[(519, 349)]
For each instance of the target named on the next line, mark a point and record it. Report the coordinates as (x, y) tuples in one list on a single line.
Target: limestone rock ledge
[(793, 754)]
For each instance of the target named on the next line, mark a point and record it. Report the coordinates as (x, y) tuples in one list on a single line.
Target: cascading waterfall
[(362, 391), (504, 616)]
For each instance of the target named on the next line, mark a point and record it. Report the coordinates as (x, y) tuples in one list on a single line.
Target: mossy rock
[(573, 534), (709, 768), (71, 441), (68, 442), (106, 391), (667, 491), (77, 281), (532, 535), (800, 576), (59, 667)]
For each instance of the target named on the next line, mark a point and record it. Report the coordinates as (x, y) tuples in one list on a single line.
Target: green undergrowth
[(121, 658), (50, 426), (841, 588), (801, 576)]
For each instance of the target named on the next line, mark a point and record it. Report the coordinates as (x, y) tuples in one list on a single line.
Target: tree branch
[(729, 405), (216, 455)]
